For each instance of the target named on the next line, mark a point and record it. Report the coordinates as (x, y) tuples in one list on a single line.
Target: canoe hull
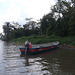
[(38, 50)]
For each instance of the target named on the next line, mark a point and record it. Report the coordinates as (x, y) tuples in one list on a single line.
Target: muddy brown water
[(60, 61)]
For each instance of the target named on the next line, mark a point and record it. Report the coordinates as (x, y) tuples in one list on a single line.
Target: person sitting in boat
[(28, 44)]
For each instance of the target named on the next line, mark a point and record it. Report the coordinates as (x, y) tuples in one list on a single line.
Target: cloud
[(14, 12), (18, 10), (2, 0), (37, 8)]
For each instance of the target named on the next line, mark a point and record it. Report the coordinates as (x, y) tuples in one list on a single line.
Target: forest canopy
[(60, 22)]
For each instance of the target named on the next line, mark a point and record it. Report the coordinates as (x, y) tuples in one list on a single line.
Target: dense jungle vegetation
[(59, 22)]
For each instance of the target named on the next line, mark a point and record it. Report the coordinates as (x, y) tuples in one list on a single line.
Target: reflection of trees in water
[(40, 62), (33, 64), (61, 62), (57, 62), (67, 60)]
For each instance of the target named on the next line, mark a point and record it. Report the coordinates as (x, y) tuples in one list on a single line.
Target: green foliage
[(60, 21), (46, 39), (8, 28), (12, 33)]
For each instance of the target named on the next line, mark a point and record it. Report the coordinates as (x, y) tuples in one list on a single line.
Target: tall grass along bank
[(39, 39)]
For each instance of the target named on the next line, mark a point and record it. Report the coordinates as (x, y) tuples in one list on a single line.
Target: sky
[(18, 10)]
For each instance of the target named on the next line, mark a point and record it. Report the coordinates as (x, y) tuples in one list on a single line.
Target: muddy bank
[(67, 47)]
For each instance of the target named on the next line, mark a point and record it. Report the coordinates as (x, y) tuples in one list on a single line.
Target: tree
[(69, 17), (60, 21), (45, 23), (7, 29)]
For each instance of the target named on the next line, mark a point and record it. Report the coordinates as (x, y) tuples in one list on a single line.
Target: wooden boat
[(39, 48)]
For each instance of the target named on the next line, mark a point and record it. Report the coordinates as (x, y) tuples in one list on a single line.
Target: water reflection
[(57, 62), (34, 65)]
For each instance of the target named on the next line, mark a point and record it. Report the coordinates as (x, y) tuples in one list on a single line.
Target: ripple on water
[(57, 62)]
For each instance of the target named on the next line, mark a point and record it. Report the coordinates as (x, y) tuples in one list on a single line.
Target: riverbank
[(70, 47), (65, 41)]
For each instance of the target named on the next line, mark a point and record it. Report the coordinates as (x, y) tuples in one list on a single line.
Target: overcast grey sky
[(18, 10)]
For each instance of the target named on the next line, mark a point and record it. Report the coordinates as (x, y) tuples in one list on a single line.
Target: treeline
[(60, 22), (14, 30)]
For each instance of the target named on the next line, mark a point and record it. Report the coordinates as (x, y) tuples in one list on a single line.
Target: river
[(57, 62)]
